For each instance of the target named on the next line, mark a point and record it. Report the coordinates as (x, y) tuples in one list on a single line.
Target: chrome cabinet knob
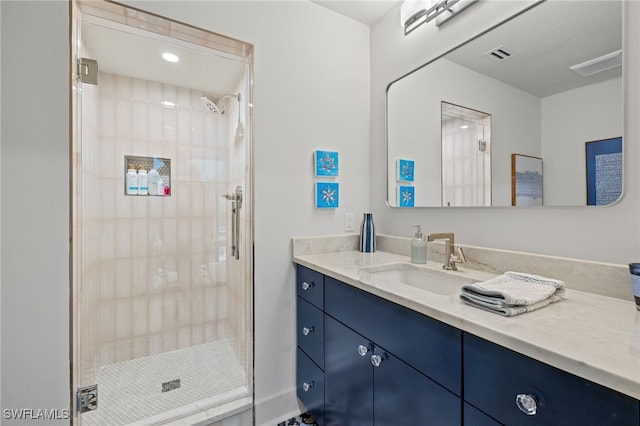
[(526, 403), (308, 385), (377, 360), (306, 285), (307, 330), (363, 349)]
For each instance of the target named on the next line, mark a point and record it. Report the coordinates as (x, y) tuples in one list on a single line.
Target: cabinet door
[(348, 377), (404, 396), (474, 417)]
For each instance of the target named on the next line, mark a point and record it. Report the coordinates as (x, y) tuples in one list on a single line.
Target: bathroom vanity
[(376, 353)]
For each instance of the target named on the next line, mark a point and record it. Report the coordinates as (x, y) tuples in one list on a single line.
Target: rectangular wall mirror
[(542, 84)]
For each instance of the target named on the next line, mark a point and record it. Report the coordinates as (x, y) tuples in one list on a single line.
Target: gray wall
[(35, 206)]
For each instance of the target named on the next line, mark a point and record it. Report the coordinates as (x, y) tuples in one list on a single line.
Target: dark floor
[(302, 419)]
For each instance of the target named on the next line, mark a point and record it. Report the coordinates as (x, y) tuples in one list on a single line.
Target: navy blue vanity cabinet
[(367, 385), (310, 339), (518, 390), (428, 345), (379, 361)]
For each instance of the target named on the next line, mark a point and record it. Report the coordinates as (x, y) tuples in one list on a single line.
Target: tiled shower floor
[(131, 391)]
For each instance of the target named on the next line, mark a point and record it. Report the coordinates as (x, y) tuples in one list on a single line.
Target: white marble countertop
[(592, 336)]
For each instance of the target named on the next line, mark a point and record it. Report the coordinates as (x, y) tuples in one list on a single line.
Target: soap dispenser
[(418, 247)]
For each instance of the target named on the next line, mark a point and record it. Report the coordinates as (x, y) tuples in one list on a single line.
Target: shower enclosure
[(162, 277)]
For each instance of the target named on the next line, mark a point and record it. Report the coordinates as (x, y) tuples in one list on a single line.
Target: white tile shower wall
[(148, 265)]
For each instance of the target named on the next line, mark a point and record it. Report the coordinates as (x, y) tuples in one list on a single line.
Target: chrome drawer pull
[(363, 349), (306, 285), (307, 330), (306, 386), (377, 360), (527, 404)]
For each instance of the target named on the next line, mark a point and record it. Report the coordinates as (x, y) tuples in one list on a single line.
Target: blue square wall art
[(406, 196), (327, 195), (405, 169), (326, 163)]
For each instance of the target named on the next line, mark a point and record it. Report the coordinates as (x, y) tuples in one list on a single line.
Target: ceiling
[(592, 28), (365, 11), (545, 41)]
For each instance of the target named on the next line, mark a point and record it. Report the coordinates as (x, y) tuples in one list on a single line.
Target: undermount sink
[(420, 277)]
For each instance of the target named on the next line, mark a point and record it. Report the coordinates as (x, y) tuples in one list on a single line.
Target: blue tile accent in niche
[(405, 170), (406, 196), (326, 163), (327, 195)]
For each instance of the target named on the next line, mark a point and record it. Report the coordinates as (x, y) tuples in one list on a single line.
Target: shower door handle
[(236, 204)]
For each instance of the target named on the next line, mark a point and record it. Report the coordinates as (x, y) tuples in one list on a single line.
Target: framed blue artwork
[(406, 196), (405, 170), (327, 195), (326, 163), (604, 171)]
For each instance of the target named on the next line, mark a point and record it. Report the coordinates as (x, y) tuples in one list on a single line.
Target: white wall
[(569, 120), (608, 234), (35, 207), (312, 91), (515, 124)]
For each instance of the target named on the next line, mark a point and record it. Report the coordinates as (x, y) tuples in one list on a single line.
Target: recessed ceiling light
[(168, 104), (170, 57)]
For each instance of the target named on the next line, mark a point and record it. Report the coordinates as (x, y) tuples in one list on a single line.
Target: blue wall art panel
[(327, 195), (405, 170), (326, 163), (406, 196)]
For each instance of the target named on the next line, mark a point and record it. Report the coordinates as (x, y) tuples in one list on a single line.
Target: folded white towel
[(513, 293)]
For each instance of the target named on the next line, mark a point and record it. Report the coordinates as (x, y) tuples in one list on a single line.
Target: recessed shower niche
[(147, 176)]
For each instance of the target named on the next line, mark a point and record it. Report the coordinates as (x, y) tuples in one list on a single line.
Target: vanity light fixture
[(170, 57), (599, 64), (414, 13)]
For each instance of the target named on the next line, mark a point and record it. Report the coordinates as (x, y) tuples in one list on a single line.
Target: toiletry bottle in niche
[(132, 180), (143, 181), (153, 177), (418, 247), (160, 187)]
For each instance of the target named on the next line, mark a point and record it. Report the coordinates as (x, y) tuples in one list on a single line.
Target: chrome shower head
[(214, 106), (210, 105)]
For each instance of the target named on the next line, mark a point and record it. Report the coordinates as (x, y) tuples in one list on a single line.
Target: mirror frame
[(445, 53)]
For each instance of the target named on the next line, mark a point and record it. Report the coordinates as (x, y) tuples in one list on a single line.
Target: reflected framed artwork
[(604, 171), (526, 180)]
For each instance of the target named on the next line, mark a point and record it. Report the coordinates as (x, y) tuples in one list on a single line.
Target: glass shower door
[(162, 309)]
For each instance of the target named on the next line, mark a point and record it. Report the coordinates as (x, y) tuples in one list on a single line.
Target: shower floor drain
[(132, 391)]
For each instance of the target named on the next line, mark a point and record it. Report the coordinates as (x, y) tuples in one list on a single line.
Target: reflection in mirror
[(466, 156), (551, 81)]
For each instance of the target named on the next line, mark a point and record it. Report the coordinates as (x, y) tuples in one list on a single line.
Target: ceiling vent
[(596, 65), (500, 54)]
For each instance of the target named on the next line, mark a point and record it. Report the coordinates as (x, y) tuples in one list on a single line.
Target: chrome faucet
[(452, 255)]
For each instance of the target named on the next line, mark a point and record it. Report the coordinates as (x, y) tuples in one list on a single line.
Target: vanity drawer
[(310, 285), (310, 330), (310, 385), (496, 377), (429, 346)]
